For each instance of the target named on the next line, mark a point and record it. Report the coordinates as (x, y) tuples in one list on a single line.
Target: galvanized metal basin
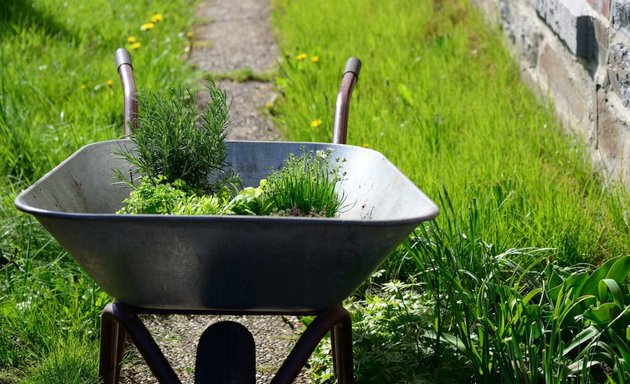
[(228, 263)]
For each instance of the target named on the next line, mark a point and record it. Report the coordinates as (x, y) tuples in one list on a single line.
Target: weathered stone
[(592, 94), (541, 7), (601, 6), (571, 22), (507, 20), (600, 29), (619, 71), (530, 37), (570, 86), (613, 136), (620, 16)]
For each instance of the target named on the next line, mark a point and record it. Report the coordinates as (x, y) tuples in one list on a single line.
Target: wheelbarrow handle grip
[(125, 70), (122, 57), (353, 65), (342, 106)]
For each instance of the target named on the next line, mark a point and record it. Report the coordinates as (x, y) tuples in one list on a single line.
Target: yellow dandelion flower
[(147, 26), (365, 145), (301, 56), (136, 45), (190, 34), (110, 83), (131, 39), (315, 59), (316, 123), (156, 18)]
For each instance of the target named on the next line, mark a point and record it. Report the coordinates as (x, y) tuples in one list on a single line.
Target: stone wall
[(578, 53)]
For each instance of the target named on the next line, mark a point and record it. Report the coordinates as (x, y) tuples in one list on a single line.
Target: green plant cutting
[(177, 151)]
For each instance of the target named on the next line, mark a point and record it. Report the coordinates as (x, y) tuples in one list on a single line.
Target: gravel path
[(237, 36)]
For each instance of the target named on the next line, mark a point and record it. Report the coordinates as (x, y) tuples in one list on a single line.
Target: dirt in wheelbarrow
[(237, 37)]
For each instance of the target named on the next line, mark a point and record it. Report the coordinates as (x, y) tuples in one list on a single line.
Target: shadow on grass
[(23, 13)]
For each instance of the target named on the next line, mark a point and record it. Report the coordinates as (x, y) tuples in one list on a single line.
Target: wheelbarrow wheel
[(226, 354)]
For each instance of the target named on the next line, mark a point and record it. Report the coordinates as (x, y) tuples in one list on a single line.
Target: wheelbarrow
[(227, 264)]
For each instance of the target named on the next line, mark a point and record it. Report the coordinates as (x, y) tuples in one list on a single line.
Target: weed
[(306, 185), (174, 141), (246, 74)]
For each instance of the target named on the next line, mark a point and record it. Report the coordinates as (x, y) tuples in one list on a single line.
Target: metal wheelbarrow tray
[(241, 264), (257, 264)]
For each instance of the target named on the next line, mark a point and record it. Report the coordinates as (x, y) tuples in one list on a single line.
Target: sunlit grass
[(440, 96), (59, 90)]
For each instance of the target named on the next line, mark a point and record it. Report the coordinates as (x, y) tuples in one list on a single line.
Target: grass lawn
[(59, 90)]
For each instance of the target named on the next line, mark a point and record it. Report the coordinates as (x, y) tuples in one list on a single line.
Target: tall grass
[(517, 316), (58, 91), (440, 96)]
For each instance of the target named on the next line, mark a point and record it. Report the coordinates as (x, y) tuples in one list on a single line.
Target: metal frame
[(119, 320)]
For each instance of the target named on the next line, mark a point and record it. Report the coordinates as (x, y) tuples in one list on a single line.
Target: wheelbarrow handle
[(125, 70), (342, 107)]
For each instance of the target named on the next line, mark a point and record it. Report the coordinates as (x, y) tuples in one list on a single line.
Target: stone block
[(601, 6), (619, 71), (508, 22), (571, 21), (601, 31), (529, 38), (570, 87), (613, 136), (620, 16)]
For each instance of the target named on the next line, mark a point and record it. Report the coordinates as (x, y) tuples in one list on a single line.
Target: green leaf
[(614, 289), (554, 283), (451, 339), (602, 314), (620, 270), (621, 344), (591, 285), (531, 294), (582, 337)]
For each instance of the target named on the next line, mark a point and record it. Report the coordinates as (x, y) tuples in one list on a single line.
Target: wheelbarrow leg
[(112, 348), (309, 340), (341, 341), (117, 318)]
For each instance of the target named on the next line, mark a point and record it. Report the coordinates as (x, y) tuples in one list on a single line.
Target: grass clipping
[(180, 159)]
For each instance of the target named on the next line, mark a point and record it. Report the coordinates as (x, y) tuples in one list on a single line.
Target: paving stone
[(239, 37), (247, 105)]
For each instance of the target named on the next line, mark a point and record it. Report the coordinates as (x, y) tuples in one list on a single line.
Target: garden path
[(234, 35)]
